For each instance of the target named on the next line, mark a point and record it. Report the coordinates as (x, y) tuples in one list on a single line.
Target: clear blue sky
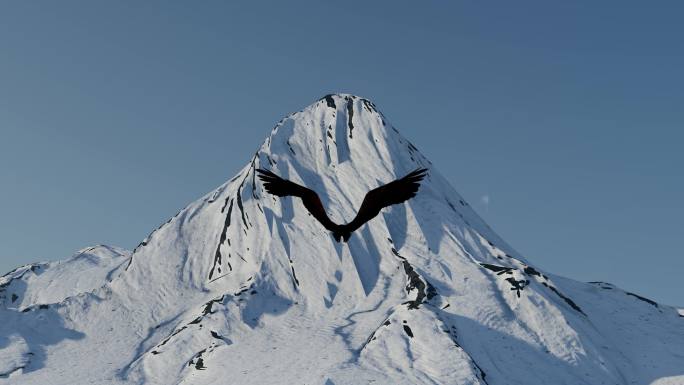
[(568, 116)]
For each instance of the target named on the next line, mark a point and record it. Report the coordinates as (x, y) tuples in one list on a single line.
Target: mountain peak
[(246, 286), (340, 133)]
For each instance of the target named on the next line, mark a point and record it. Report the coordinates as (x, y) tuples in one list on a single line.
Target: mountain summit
[(241, 287)]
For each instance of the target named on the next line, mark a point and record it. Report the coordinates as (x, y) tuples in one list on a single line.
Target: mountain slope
[(241, 287), (50, 282)]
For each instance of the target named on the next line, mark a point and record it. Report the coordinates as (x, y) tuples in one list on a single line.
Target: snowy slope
[(38, 286), (45, 283), (240, 287)]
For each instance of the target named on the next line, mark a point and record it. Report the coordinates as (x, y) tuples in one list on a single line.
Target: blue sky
[(561, 122)]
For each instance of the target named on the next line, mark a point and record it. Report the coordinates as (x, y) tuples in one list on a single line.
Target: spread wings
[(281, 187), (392, 193), (375, 200)]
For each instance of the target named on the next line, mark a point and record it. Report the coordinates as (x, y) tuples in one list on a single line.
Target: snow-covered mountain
[(241, 287)]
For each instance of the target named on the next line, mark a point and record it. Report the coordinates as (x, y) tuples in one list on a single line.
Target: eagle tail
[(342, 234)]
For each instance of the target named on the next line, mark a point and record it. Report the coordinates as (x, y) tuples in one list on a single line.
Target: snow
[(44, 283), (241, 287)]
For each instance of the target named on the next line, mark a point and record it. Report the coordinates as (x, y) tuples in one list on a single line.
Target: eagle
[(395, 192)]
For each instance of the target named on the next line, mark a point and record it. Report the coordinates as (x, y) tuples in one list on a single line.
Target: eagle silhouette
[(392, 193)]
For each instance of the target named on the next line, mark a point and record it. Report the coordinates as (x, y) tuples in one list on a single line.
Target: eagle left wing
[(282, 187)]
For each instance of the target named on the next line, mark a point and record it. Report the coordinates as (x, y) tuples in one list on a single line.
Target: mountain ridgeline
[(244, 287)]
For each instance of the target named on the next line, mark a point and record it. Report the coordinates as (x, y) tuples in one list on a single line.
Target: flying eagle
[(375, 200)]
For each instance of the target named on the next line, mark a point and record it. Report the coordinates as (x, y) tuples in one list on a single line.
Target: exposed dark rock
[(198, 361), (350, 115), (499, 270), (172, 334), (208, 306), (9, 372), (518, 285), (414, 282), (532, 271), (654, 303), (239, 202), (130, 261), (141, 244), (482, 372), (295, 281), (425, 291), (431, 291), (217, 255), (220, 337), (330, 101), (566, 299)]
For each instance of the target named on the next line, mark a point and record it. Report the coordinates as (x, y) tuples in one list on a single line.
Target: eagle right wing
[(282, 187), (392, 193)]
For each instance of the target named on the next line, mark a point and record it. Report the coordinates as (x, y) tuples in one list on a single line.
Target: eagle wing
[(392, 193), (282, 187)]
